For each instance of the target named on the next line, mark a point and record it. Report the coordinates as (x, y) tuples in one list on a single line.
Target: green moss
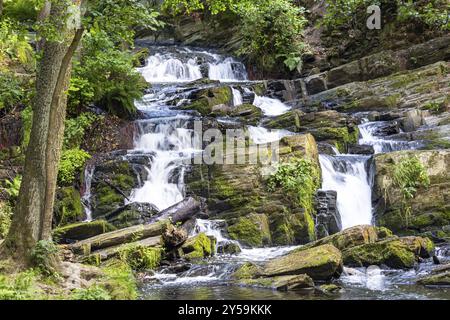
[(246, 271), (68, 207), (208, 98), (392, 101), (119, 280), (139, 257), (92, 293), (81, 231), (252, 230), (431, 219), (198, 247)]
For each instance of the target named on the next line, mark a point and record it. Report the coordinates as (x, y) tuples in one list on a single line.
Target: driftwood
[(180, 212), (119, 237)]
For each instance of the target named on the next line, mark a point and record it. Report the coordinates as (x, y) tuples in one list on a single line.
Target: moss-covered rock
[(280, 283), (392, 253), (205, 100), (429, 208), (81, 231), (247, 113), (320, 263), (247, 271), (198, 247), (68, 207), (438, 277), (251, 230)]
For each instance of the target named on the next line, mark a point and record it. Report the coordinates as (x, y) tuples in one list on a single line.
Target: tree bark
[(32, 218), (1, 8)]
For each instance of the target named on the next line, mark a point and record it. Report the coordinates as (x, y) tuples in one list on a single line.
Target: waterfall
[(166, 68), (261, 135), (86, 199), (269, 106), (368, 132), (237, 97), (227, 70), (169, 142), (348, 176)]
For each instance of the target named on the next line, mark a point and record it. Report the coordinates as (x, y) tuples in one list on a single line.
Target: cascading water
[(237, 97), (269, 106), (368, 132), (86, 199), (261, 135), (348, 176), (228, 70)]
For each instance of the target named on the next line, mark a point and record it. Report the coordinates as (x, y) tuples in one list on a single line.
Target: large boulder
[(131, 214), (320, 263), (328, 219), (198, 247), (252, 230), (206, 101), (68, 208), (238, 193), (394, 253), (429, 208)]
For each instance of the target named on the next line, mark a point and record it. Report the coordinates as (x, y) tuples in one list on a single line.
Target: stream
[(165, 137)]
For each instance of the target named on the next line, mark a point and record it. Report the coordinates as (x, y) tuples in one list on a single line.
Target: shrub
[(44, 257), (12, 187), (72, 161), (22, 10), (11, 92), (75, 129), (14, 43), (272, 34), (409, 176), (19, 287)]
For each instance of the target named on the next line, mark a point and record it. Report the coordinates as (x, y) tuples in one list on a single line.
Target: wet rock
[(320, 263), (198, 247), (229, 248), (361, 149), (281, 283), (247, 113), (68, 207), (81, 231), (394, 253), (173, 237), (181, 211), (438, 277), (131, 214), (328, 219), (330, 288), (251, 230), (205, 100), (352, 237)]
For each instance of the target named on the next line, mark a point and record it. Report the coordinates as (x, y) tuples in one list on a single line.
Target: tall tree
[(32, 218)]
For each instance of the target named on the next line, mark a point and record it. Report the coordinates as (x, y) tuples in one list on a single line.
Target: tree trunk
[(32, 218), (1, 8)]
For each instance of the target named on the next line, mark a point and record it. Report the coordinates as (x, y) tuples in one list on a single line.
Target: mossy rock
[(247, 271), (280, 283), (251, 230), (68, 207), (119, 280), (198, 247), (320, 263), (205, 99), (247, 113), (392, 253), (81, 231), (438, 277)]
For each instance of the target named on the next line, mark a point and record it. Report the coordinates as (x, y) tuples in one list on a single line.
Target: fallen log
[(180, 212), (111, 252), (119, 237)]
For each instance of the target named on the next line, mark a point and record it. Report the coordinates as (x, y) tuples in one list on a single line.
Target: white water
[(269, 106), (381, 144), (347, 175), (170, 142), (237, 97), (224, 71), (86, 199), (261, 135), (165, 68)]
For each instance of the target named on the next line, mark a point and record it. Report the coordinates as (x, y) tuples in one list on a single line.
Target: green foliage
[(22, 10), (20, 287), (43, 257), (6, 213), (12, 187), (14, 43), (75, 129), (409, 176), (139, 257), (106, 76), (120, 281), (72, 161), (11, 92), (272, 34), (92, 293), (298, 178), (214, 6), (351, 14)]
